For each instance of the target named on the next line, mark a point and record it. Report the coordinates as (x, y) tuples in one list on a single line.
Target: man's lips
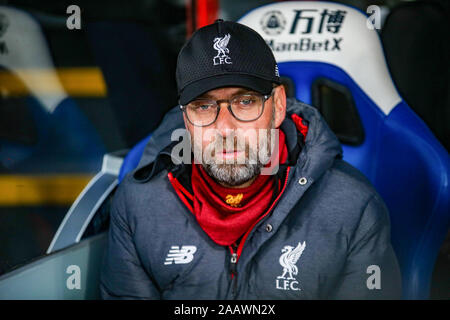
[(231, 154)]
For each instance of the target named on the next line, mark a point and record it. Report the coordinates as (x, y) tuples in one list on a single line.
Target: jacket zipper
[(236, 251), (233, 268)]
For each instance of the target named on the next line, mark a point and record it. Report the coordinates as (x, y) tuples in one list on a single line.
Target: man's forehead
[(224, 91)]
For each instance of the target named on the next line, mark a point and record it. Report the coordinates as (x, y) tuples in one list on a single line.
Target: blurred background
[(68, 96)]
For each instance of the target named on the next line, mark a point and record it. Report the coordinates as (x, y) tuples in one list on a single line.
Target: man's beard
[(235, 174)]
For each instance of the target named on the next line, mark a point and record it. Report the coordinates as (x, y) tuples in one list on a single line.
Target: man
[(245, 220)]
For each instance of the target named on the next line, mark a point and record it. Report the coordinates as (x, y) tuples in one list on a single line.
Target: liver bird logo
[(289, 259), (220, 44)]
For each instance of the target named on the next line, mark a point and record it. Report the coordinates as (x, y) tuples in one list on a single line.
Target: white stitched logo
[(180, 256), (288, 260), (220, 44)]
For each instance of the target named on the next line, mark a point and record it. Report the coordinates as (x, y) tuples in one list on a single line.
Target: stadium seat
[(336, 63), (131, 161)]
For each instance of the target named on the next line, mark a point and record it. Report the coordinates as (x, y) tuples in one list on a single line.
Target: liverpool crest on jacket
[(288, 260)]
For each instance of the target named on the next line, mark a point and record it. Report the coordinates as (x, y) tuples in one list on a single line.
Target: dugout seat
[(335, 62), (131, 160)]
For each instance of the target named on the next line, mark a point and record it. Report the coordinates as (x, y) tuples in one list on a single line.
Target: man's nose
[(225, 120)]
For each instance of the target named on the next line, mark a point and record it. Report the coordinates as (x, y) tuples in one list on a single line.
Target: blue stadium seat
[(325, 47), (332, 58), (131, 161)]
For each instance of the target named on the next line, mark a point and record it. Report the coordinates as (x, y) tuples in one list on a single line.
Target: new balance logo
[(180, 256)]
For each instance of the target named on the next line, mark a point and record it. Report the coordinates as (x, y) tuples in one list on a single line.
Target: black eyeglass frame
[(228, 101)]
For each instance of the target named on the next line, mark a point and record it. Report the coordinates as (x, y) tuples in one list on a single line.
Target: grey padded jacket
[(326, 237)]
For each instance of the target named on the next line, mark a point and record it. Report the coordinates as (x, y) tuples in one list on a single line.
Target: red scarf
[(225, 214)]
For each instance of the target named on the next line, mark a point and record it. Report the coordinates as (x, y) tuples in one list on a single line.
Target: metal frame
[(87, 203)]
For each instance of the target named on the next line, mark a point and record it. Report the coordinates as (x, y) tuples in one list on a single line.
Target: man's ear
[(279, 100)]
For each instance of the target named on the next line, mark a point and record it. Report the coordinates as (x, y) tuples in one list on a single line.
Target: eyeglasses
[(245, 107)]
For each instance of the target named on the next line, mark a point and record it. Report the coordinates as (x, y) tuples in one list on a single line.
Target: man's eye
[(246, 101), (202, 107)]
